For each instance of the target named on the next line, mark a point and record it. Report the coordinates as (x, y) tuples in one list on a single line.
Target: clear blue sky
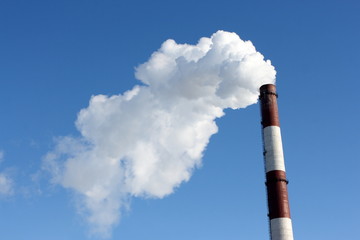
[(54, 55)]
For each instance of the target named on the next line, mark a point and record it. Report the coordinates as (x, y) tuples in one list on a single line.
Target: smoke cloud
[(6, 183), (148, 140)]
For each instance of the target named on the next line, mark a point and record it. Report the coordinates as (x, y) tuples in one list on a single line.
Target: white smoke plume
[(148, 140), (6, 183)]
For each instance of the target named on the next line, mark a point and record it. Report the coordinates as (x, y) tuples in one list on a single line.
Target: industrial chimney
[(276, 182)]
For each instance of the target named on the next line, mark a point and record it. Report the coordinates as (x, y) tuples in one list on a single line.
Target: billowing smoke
[(148, 140)]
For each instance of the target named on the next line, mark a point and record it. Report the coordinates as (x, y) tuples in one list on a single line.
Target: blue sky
[(54, 55)]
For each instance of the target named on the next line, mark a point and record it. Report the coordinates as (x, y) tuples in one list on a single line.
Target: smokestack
[(276, 182)]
